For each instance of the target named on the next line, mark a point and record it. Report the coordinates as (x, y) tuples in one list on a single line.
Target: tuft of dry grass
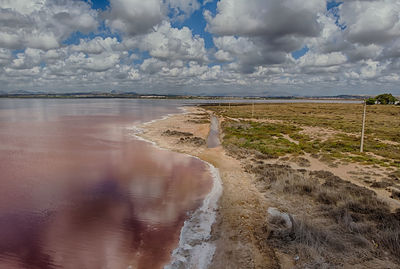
[(390, 239), (327, 197)]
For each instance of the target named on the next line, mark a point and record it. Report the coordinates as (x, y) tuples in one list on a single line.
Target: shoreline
[(240, 206), (193, 248)]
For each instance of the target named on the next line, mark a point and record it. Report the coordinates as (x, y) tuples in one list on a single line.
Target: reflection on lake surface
[(77, 190)]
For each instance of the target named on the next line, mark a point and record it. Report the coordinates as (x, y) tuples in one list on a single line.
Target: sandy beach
[(239, 232), (240, 207)]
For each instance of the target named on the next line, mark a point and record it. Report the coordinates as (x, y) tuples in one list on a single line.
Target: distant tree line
[(383, 99)]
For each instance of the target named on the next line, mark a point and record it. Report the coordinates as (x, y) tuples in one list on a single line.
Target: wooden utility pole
[(252, 111), (363, 128)]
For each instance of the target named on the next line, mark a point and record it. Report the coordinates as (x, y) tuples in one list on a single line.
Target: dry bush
[(198, 141), (176, 133), (301, 161), (390, 239), (395, 175), (237, 152), (352, 222), (327, 197), (316, 236), (300, 186), (380, 184), (395, 193), (311, 241), (198, 121)]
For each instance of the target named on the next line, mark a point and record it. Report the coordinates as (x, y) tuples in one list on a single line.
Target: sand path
[(241, 207)]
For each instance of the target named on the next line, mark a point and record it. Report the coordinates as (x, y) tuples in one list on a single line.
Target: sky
[(201, 47)]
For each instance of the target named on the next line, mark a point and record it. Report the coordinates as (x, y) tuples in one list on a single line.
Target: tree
[(386, 99)]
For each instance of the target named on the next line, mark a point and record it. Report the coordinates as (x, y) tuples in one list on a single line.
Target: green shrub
[(370, 101)]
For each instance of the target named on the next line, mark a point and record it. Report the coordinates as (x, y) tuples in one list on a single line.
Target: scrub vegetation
[(332, 220), (331, 131), (325, 221), (382, 99)]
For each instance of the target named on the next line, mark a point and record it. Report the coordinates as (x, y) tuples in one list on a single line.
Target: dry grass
[(337, 220)]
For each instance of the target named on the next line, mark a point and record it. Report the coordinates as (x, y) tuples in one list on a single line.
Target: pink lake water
[(78, 190)]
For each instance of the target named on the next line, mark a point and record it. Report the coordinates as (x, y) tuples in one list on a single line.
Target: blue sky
[(99, 4), (196, 22), (226, 47)]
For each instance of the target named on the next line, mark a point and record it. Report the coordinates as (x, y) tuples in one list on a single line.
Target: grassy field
[(330, 131)]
